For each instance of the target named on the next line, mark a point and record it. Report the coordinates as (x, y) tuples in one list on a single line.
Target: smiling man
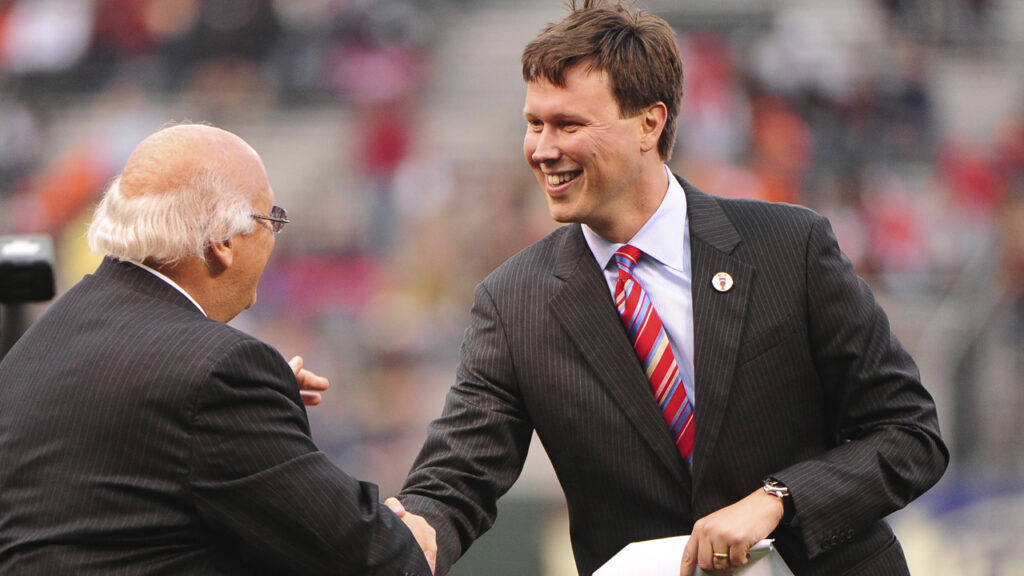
[(691, 364)]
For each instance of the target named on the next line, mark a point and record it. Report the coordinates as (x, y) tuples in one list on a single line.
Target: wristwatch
[(780, 491), (775, 488)]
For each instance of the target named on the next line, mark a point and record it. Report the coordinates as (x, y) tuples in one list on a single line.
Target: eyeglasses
[(278, 218)]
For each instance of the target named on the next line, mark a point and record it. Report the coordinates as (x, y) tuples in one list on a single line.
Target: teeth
[(556, 179)]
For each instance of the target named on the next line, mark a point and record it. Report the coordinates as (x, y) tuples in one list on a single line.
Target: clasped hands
[(721, 541), (425, 535)]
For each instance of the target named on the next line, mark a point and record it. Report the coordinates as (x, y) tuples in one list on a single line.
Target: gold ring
[(720, 555)]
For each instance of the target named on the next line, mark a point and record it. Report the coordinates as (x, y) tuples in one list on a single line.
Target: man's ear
[(654, 118), (220, 255)]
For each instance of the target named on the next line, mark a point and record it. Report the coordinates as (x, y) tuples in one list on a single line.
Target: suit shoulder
[(785, 226), (530, 262), (745, 211), (226, 339), (162, 323)]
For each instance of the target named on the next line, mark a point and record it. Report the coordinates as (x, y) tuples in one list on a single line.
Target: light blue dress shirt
[(664, 272)]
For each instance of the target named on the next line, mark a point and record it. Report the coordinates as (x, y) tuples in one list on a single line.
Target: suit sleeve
[(476, 449), (261, 484), (887, 448)]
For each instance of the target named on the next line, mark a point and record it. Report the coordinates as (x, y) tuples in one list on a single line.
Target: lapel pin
[(722, 282)]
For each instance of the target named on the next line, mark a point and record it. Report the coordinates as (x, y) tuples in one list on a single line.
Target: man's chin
[(560, 213)]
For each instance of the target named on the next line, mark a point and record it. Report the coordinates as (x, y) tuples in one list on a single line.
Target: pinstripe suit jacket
[(138, 436), (797, 375)]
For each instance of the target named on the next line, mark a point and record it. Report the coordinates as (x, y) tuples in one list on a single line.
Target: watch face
[(775, 487)]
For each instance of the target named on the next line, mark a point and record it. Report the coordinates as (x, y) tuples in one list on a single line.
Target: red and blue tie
[(654, 351)]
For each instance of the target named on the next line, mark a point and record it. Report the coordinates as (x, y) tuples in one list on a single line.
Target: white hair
[(170, 225)]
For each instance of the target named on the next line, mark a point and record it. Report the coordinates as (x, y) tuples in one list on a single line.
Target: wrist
[(776, 489)]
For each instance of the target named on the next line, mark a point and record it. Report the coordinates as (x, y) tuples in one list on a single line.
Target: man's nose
[(546, 147)]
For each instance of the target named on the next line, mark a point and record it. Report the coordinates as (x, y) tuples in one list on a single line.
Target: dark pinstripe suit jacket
[(138, 436), (797, 375)]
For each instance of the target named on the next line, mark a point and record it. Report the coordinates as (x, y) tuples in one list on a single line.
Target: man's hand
[(310, 385), (729, 533), (421, 529)]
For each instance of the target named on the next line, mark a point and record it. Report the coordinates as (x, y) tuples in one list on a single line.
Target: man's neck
[(651, 188), (198, 279)]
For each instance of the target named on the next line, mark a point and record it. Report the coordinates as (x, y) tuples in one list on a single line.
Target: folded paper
[(662, 558)]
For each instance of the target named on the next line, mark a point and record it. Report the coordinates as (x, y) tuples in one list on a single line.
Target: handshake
[(424, 533)]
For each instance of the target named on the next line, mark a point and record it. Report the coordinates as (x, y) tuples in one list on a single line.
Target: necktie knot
[(627, 257)]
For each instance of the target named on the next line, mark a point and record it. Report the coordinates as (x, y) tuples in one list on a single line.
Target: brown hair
[(636, 49)]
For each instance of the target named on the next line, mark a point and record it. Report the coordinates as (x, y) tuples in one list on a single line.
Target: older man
[(140, 434)]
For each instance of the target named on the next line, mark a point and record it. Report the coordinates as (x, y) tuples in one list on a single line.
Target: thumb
[(295, 363), (395, 506)]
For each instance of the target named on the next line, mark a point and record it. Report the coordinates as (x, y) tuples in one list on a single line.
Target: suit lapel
[(586, 311), (718, 318)]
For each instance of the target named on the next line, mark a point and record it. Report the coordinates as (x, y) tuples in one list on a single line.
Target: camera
[(26, 275), (26, 269)]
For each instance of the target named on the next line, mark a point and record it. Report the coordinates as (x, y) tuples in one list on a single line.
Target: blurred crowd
[(373, 281)]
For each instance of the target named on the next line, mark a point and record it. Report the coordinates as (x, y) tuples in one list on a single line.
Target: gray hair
[(171, 225)]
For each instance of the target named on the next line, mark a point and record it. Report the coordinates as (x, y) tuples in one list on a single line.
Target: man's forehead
[(544, 92)]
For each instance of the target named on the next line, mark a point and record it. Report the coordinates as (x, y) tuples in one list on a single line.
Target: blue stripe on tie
[(680, 418)]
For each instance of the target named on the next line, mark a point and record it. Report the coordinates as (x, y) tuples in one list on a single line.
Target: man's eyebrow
[(556, 117)]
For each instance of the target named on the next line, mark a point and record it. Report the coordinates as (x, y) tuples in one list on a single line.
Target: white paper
[(662, 558)]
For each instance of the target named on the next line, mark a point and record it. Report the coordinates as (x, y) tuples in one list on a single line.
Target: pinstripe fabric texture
[(796, 367), (139, 437), (654, 351)]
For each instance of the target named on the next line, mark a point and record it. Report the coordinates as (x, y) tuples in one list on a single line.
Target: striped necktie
[(654, 351)]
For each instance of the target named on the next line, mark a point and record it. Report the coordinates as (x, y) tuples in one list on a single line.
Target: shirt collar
[(661, 237), (171, 282)]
